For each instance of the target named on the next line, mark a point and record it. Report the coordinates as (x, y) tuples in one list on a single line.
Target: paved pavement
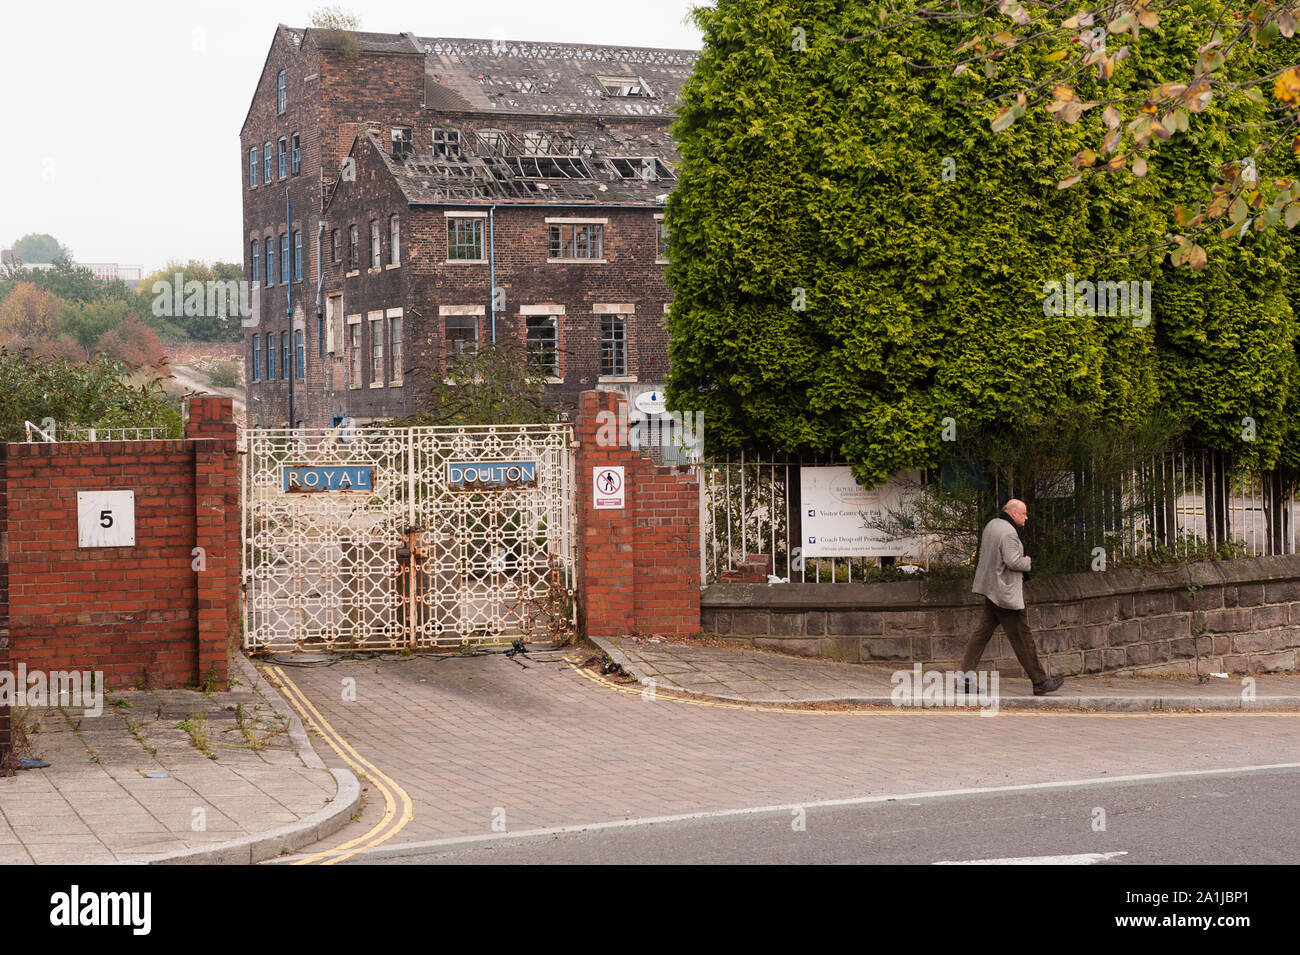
[(763, 676), (131, 784), (488, 747)]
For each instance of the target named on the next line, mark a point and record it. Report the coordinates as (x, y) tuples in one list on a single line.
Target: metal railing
[(1178, 503), (55, 434)]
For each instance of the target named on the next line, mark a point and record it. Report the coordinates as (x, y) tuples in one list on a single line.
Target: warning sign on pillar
[(607, 488)]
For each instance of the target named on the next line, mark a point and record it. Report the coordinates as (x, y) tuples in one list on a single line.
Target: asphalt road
[(1240, 819)]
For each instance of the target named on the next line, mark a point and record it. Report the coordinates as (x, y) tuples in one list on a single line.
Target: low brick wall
[(1239, 616), (158, 611)]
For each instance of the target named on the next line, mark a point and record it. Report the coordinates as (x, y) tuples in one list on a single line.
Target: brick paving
[(95, 803), (756, 675), (465, 736)]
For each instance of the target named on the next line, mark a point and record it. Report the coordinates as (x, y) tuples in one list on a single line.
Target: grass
[(196, 726)]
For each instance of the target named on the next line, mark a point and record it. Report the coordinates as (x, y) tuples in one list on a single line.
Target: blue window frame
[(270, 356), (300, 354), (297, 256), (257, 358), (252, 168), (266, 164), (270, 262), (281, 158), (320, 336), (285, 274), (284, 355), (295, 154), (256, 248), (281, 92)]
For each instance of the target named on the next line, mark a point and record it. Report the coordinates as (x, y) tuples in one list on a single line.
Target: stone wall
[(1239, 616)]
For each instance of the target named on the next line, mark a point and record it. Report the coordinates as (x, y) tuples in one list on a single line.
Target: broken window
[(403, 141), (543, 352), (465, 239), (461, 333), (645, 168), (578, 241), (281, 157), (661, 240), (446, 142), (395, 345), (624, 86), (336, 245), (295, 153), (394, 239), (538, 142), (374, 244), (353, 252), (613, 345), (491, 141), (377, 350)]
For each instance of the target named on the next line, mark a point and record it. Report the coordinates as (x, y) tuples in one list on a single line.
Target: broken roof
[(514, 76), (605, 168)]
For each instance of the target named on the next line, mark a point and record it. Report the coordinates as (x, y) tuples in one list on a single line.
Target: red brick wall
[(139, 612), (638, 567), (6, 742)]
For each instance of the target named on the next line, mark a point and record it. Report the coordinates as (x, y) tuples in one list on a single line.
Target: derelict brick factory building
[(391, 183)]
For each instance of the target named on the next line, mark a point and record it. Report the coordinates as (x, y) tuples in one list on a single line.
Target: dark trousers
[(1016, 626)]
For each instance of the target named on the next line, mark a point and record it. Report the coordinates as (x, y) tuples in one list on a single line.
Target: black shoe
[(1049, 686)]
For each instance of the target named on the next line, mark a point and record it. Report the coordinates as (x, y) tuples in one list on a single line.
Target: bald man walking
[(999, 577)]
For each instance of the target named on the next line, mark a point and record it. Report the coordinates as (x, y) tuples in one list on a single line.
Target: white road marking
[(413, 848), (1087, 858)]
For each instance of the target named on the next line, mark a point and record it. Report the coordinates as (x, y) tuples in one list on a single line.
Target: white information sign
[(607, 488), (106, 518), (837, 511)]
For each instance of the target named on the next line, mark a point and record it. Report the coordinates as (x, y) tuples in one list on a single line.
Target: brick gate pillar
[(638, 566), (211, 430)]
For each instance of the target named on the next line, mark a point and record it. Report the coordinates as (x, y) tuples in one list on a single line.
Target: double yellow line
[(796, 709), (391, 791)]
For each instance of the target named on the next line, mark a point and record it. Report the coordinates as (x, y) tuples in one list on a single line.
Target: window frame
[(354, 345), (286, 276), (393, 319), (376, 247), (300, 353), (552, 368), (256, 366), (270, 356), (252, 167), (354, 257), (375, 322), (281, 92), (619, 368), (295, 153), (281, 158), (592, 234), (255, 270), (336, 253), (297, 255), (394, 240), (284, 356), (267, 157), (270, 261), (455, 239)]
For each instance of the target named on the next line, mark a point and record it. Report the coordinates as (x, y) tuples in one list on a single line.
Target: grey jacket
[(1002, 565)]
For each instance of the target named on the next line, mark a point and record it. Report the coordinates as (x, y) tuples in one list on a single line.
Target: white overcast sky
[(122, 119)]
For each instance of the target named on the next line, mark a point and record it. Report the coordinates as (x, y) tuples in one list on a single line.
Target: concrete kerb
[(259, 847), (1103, 704)]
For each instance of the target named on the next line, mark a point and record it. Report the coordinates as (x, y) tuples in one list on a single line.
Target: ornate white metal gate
[(384, 539)]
